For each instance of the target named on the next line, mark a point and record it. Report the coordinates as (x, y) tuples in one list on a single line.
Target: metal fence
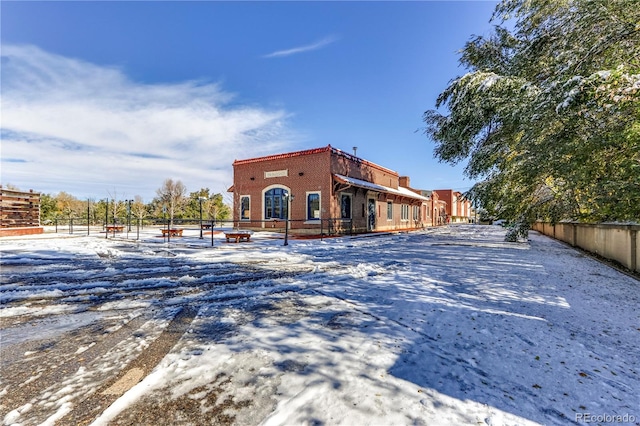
[(298, 227), (131, 227)]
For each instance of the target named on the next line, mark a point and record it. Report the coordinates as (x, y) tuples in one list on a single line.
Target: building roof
[(313, 151), (281, 156), (401, 191)]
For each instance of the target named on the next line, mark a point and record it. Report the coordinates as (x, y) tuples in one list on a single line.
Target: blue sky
[(115, 97)]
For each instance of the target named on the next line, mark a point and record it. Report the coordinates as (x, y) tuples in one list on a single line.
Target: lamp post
[(164, 219), (115, 209), (106, 218), (201, 199), (286, 197), (129, 216)]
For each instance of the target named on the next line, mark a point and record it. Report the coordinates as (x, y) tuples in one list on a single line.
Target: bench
[(206, 226), (237, 236), (114, 228), (172, 232)]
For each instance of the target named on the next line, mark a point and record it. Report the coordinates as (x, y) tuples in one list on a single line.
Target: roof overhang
[(400, 192)]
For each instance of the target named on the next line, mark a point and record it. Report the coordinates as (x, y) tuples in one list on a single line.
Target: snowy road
[(445, 326)]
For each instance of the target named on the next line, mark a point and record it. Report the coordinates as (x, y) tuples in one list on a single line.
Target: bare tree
[(138, 208), (116, 206), (172, 195)]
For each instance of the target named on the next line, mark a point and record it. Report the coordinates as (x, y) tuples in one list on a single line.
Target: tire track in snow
[(87, 410), (25, 378)]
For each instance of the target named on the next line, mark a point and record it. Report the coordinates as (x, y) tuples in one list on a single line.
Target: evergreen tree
[(213, 206)]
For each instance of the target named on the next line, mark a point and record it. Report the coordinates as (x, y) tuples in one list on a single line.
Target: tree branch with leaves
[(548, 114)]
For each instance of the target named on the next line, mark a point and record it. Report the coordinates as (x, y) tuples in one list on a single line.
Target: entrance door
[(371, 216)]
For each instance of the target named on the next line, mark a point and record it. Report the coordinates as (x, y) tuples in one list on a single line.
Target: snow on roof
[(401, 191)]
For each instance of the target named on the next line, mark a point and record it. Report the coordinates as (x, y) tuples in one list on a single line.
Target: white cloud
[(69, 125), (314, 46)]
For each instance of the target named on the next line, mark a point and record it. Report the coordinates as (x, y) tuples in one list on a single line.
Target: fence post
[(56, 222), (106, 218)]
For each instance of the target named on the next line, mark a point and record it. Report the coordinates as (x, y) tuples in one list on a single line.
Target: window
[(313, 206), (345, 206), (416, 213), (245, 208), (276, 204), (404, 212), (389, 210)]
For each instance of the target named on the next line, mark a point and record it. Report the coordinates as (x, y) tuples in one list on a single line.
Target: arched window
[(276, 204)]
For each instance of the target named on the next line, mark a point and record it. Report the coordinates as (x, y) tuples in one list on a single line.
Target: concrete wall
[(620, 243)]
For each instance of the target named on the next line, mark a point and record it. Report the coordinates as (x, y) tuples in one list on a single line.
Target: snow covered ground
[(443, 326)]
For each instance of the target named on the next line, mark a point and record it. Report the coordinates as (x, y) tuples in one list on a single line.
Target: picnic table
[(206, 226), (114, 228), (172, 232), (237, 236)]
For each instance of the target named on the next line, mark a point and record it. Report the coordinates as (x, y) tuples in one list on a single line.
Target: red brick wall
[(304, 173), (347, 165), (15, 232), (445, 195)]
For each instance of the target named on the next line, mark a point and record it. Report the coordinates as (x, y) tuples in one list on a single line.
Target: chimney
[(404, 181)]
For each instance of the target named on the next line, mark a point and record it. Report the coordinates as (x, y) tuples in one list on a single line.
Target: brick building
[(437, 208), (458, 209), (325, 188)]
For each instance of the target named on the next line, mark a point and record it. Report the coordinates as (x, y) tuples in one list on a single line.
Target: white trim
[(404, 207), (264, 190), (306, 205), (249, 197)]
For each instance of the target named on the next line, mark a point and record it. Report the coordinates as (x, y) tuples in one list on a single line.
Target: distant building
[(457, 209), (325, 188), (437, 208)]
